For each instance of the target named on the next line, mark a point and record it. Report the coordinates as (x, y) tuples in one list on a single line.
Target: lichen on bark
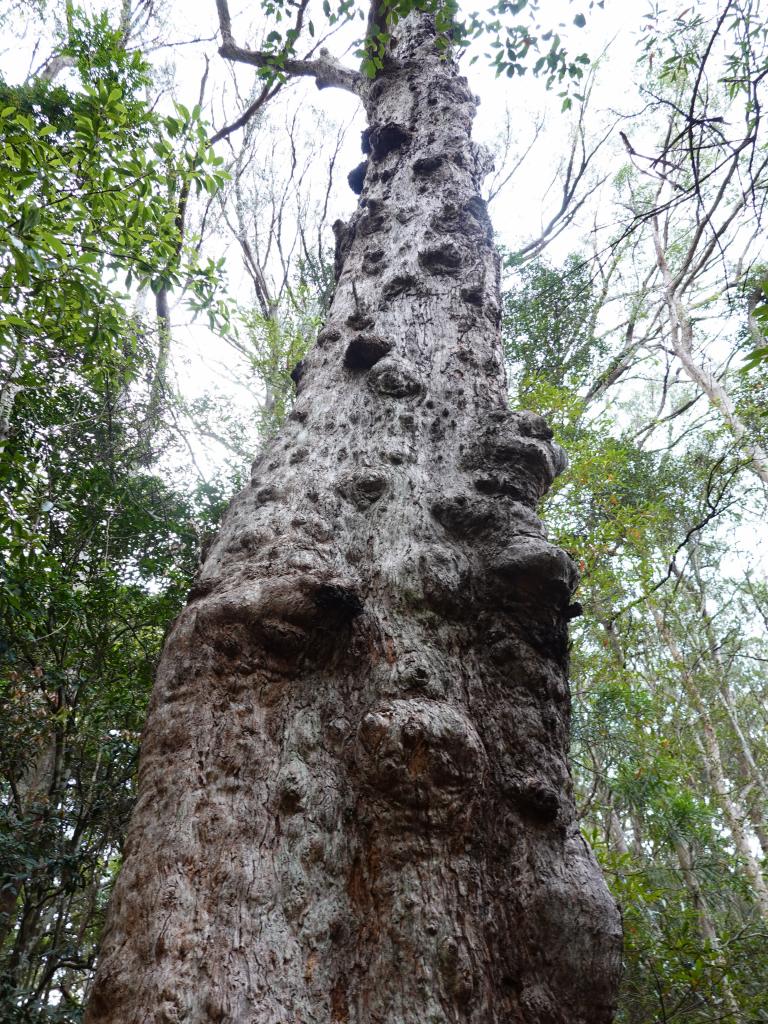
[(354, 800)]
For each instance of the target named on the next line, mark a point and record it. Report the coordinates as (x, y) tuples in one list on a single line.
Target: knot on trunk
[(373, 262), (536, 572), (264, 495), (538, 457), (400, 284), (445, 580), (372, 219), (456, 968), (249, 541), (363, 489), (293, 786), (288, 614), (444, 259), (421, 755), (413, 672), (394, 378), (356, 177), (516, 456), (360, 320), (531, 424), (386, 138), (427, 165), (340, 600), (343, 234), (473, 294), (534, 798), (328, 334), (466, 515), (469, 219)]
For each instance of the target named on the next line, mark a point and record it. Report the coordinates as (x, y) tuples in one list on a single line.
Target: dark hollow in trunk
[(354, 802)]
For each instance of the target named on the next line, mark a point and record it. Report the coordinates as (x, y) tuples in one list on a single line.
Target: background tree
[(669, 755)]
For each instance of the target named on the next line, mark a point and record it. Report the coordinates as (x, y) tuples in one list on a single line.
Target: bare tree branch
[(327, 72)]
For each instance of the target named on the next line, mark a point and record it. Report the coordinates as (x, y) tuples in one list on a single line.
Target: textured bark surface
[(354, 802)]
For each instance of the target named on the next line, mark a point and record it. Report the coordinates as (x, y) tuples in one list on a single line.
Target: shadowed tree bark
[(354, 803)]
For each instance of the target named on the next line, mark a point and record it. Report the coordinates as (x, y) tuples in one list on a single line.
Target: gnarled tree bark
[(354, 802)]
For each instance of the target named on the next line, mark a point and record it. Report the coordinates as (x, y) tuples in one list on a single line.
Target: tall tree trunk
[(354, 803), (755, 792), (9, 388)]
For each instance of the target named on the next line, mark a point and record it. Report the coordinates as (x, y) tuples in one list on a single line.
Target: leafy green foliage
[(759, 354), (97, 548), (709, 64), (557, 308), (516, 46), (98, 543), (517, 38), (98, 554)]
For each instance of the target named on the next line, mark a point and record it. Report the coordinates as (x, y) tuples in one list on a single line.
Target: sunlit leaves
[(759, 354)]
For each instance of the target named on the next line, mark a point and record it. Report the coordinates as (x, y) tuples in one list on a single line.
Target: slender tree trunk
[(8, 392), (755, 793), (707, 927), (614, 829), (30, 806), (681, 339), (9, 388), (354, 803), (706, 924), (734, 813), (709, 745)]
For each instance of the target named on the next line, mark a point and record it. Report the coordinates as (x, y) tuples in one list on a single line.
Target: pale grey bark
[(354, 801), (9, 389), (754, 794), (54, 66), (614, 829), (327, 72)]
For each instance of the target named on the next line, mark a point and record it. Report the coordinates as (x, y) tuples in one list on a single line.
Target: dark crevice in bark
[(356, 177), (365, 351)]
